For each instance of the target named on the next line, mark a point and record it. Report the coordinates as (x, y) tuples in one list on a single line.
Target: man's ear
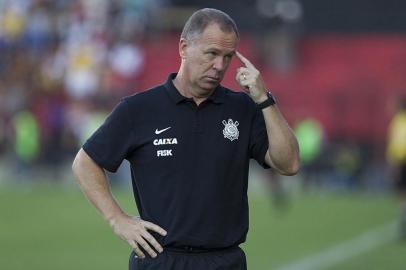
[(183, 45)]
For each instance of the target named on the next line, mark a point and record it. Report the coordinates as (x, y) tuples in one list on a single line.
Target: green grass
[(51, 227)]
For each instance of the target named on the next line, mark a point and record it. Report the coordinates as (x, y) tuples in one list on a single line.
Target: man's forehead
[(213, 36)]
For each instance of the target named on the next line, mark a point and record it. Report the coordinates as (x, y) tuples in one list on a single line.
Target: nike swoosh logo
[(162, 130)]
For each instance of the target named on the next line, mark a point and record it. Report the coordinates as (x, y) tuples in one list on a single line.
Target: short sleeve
[(259, 139), (110, 144)]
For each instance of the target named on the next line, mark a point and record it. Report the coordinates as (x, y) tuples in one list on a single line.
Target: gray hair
[(200, 19)]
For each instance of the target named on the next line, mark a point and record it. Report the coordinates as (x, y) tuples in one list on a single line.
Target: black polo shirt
[(189, 163)]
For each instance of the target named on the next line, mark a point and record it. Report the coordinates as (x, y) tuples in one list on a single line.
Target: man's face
[(207, 57)]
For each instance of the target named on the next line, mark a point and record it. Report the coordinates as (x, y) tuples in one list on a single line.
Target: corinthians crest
[(230, 130)]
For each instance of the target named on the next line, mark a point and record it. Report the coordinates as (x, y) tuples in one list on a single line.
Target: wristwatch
[(269, 102)]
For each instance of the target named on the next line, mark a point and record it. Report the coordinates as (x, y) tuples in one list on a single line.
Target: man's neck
[(187, 90)]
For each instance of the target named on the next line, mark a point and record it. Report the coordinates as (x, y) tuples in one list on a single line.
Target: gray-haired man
[(189, 142)]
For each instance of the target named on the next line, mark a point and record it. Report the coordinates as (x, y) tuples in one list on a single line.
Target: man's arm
[(283, 151), (94, 184)]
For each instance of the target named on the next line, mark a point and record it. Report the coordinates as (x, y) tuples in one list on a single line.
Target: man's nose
[(219, 64)]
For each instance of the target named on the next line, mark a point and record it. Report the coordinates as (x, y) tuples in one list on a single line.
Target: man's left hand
[(249, 78)]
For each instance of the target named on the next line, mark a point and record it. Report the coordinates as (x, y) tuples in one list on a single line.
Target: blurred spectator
[(27, 138), (279, 195), (348, 164), (38, 30), (13, 20), (83, 60), (125, 60), (396, 155), (310, 135)]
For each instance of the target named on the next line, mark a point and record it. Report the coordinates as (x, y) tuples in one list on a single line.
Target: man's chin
[(208, 88), (209, 84)]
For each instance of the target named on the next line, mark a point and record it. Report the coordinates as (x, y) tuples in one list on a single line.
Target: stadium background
[(336, 68)]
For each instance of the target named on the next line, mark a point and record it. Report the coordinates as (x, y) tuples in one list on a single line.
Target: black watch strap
[(269, 102)]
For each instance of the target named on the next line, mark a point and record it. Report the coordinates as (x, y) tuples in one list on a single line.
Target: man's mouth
[(214, 79)]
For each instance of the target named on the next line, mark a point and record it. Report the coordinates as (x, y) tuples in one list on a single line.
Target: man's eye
[(213, 53)]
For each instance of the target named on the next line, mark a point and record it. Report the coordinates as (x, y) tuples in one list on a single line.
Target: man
[(189, 142)]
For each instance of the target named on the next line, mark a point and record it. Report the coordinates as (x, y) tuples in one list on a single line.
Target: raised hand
[(249, 78)]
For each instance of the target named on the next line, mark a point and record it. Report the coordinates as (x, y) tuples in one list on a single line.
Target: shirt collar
[(216, 97)]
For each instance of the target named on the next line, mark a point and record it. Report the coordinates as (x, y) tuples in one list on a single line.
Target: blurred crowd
[(63, 65)]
